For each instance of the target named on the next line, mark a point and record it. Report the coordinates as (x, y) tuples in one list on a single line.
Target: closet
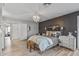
[(19, 31)]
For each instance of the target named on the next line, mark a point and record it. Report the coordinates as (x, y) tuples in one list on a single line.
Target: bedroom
[(45, 20)]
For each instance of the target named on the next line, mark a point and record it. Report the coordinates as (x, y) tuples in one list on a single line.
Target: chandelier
[(36, 18)]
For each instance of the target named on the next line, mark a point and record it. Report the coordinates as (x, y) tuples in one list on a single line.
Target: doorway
[(7, 36)]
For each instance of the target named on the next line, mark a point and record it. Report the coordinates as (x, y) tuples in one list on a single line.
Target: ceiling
[(25, 11), (0, 9)]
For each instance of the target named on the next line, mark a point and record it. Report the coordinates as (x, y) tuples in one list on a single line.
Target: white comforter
[(43, 42)]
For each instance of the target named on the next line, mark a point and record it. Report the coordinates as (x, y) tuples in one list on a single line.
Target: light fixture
[(47, 4), (36, 18)]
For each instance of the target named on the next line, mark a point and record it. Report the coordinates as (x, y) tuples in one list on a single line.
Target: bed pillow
[(48, 33)]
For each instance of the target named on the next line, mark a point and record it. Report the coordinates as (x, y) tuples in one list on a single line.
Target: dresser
[(68, 42)]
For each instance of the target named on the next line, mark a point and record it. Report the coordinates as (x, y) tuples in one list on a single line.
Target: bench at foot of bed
[(31, 45)]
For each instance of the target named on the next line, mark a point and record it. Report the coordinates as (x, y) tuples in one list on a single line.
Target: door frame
[(4, 34)]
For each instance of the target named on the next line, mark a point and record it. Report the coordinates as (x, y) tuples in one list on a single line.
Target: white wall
[(1, 38), (33, 28), (33, 25)]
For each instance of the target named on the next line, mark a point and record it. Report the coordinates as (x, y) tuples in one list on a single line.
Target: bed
[(41, 42)]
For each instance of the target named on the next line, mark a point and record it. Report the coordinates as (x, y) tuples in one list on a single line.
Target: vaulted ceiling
[(25, 11)]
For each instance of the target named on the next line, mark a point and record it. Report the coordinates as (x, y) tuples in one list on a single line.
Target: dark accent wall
[(69, 22)]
